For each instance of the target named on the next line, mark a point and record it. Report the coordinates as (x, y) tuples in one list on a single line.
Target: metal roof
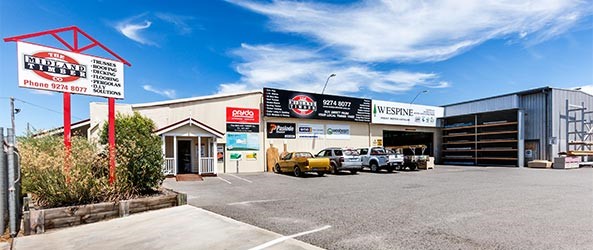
[(524, 92), (193, 99)]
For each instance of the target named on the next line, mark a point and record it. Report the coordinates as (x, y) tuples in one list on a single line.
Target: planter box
[(38, 221)]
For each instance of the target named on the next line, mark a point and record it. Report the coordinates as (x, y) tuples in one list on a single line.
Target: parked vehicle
[(342, 159), (396, 159), (375, 158), (300, 163)]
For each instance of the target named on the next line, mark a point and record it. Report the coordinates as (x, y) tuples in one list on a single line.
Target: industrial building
[(231, 133)]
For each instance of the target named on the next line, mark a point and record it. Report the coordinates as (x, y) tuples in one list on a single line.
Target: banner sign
[(310, 130), (396, 113), (242, 115), (242, 142), (283, 103), (279, 130), (51, 69), (244, 128), (337, 131)]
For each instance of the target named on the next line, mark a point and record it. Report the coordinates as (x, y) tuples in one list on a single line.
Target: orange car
[(300, 163)]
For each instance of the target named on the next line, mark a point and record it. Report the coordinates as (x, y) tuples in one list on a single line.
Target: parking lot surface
[(448, 207)]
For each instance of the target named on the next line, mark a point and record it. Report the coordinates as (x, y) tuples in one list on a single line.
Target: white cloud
[(134, 31), (180, 22), (587, 89), (298, 68), (419, 31), (42, 92), (169, 93)]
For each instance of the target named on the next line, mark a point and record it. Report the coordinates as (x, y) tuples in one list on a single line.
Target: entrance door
[(183, 157)]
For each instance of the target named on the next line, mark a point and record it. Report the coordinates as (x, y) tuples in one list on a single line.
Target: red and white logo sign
[(242, 115), (302, 105), (55, 66)]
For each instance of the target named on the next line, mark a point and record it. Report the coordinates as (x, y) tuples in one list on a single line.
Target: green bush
[(43, 175), (139, 153)]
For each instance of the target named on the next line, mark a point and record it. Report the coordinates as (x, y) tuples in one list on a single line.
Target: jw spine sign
[(58, 70)]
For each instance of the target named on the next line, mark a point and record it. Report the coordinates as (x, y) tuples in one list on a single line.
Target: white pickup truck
[(377, 158)]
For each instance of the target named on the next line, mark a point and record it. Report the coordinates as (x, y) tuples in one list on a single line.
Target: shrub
[(139, 153), (42, 165)]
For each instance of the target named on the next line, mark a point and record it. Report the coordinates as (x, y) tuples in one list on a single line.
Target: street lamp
[(423, 91), (330, 76)]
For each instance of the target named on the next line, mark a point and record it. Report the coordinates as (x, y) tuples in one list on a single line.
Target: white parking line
[(222, 179), (255, 201), (283, 238), (285, 176), (243, 179)]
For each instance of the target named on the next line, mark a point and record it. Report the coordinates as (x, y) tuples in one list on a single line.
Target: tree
[(139, 157)]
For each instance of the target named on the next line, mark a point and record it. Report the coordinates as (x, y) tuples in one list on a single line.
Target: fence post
[(13, 211), (3, 186)]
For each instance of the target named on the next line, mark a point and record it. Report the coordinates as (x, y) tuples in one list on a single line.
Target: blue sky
[(388, 50)]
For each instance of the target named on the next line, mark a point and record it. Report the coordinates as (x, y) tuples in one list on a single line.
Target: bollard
[(3, 186)]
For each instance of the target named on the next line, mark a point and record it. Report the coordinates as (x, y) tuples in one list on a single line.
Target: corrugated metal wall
[(534, 107), (486, 105), (559, 109)]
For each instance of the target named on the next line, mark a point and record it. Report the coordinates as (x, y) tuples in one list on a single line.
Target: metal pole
[(326, 81), (12, 197), (111, 118), (12, 113), (67, 133), (3, 186)]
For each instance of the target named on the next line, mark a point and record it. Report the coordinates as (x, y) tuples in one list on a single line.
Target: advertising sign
[(242, 142), (244, 128), (283, 103), (51, 69), (242, 115), (310, 130), (337, 131), (396, 113), (280, 130)]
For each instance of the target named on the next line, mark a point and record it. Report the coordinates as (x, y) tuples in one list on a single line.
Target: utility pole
[(12, 112)]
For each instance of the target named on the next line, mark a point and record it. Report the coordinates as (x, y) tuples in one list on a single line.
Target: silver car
[(342, 159)]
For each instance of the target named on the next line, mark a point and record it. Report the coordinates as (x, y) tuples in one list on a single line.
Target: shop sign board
[(396, 113), (284, 103), (242, 115), (45, 68), (281, 130), (242, 128), (242, 142), (337, 131), (310, 131)]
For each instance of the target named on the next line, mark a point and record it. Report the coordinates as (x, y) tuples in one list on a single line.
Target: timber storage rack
[(481, 139)]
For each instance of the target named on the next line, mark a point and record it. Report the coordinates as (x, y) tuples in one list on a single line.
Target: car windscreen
[(304, 154), (351, 153), (377, 151)]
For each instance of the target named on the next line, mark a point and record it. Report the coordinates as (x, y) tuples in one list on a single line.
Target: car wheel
[(277, 169), (353, 171), (321, 174), (374, 167), (297, 172), (334, 169)]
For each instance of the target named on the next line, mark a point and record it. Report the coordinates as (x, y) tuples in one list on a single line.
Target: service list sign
[(283, 103), (58, 70)]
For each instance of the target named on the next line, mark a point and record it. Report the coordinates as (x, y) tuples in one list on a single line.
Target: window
[(338, 152), (328, 153), (349, 152), (287, 157), (377, 151), (320, 154), (363, 151)]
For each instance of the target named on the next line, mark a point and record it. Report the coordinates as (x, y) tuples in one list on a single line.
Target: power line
[(39, 106)]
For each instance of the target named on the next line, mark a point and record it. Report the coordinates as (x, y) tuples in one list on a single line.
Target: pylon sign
[(52, 69)]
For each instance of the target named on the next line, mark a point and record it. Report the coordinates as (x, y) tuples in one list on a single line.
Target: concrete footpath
[(183, 227)]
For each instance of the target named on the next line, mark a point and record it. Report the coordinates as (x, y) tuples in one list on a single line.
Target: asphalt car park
[(449, 207)]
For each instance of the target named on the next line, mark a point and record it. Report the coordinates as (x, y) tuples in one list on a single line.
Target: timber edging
[(38, 221)]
